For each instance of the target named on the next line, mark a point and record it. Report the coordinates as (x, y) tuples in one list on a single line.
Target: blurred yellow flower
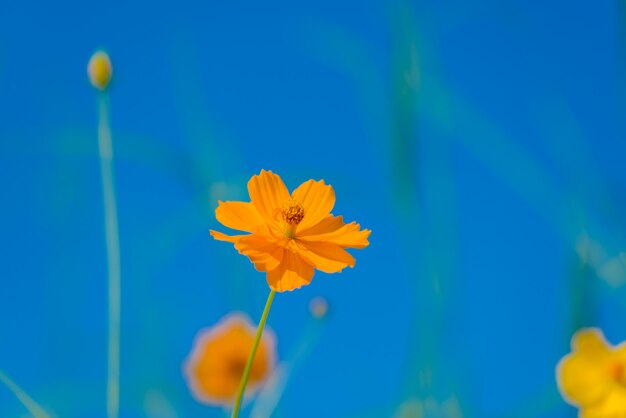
[(216, 363), (290, 234), (100, 70), (593, 376)]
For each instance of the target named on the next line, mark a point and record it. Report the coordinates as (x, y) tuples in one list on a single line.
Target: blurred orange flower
[(593, 376), (290, 234), (215, 365)]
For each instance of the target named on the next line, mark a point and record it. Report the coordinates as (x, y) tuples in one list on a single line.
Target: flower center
[(236, 367), (292, 213), (618, 373)]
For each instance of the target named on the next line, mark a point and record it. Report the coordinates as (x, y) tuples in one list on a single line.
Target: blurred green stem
[(272, 391), (33, 407), (255, 345), (105, 148)]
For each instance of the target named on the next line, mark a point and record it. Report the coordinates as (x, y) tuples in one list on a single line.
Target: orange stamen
[(617, 372), (292, 213)]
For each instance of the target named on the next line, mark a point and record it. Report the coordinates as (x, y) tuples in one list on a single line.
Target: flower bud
[(318, 307), (100, 70)]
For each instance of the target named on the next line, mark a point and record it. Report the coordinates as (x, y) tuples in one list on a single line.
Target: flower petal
[(612, 406), (325, 256), (317, 198), (242, 216), (332, 229), (583, 376), (266, 255), (267, 193), (292, 273), (590, 341), (582, 380), (223, 237)]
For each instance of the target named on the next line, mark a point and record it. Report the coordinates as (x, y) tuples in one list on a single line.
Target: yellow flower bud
[(100, 70)]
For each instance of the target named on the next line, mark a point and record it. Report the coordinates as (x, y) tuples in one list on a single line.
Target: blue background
[(481, 142)]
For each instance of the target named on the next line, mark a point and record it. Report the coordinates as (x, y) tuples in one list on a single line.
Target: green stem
[(105, 148), (257, 339), (272, 391), (33, 407)]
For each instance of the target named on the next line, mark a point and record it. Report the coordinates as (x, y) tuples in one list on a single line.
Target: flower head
[(100, 70), (290, 235), (593, 376), (216, 363)]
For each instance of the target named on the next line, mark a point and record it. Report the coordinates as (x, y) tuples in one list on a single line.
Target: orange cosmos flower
[(290, 234), (215, 366), (593, 376)]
